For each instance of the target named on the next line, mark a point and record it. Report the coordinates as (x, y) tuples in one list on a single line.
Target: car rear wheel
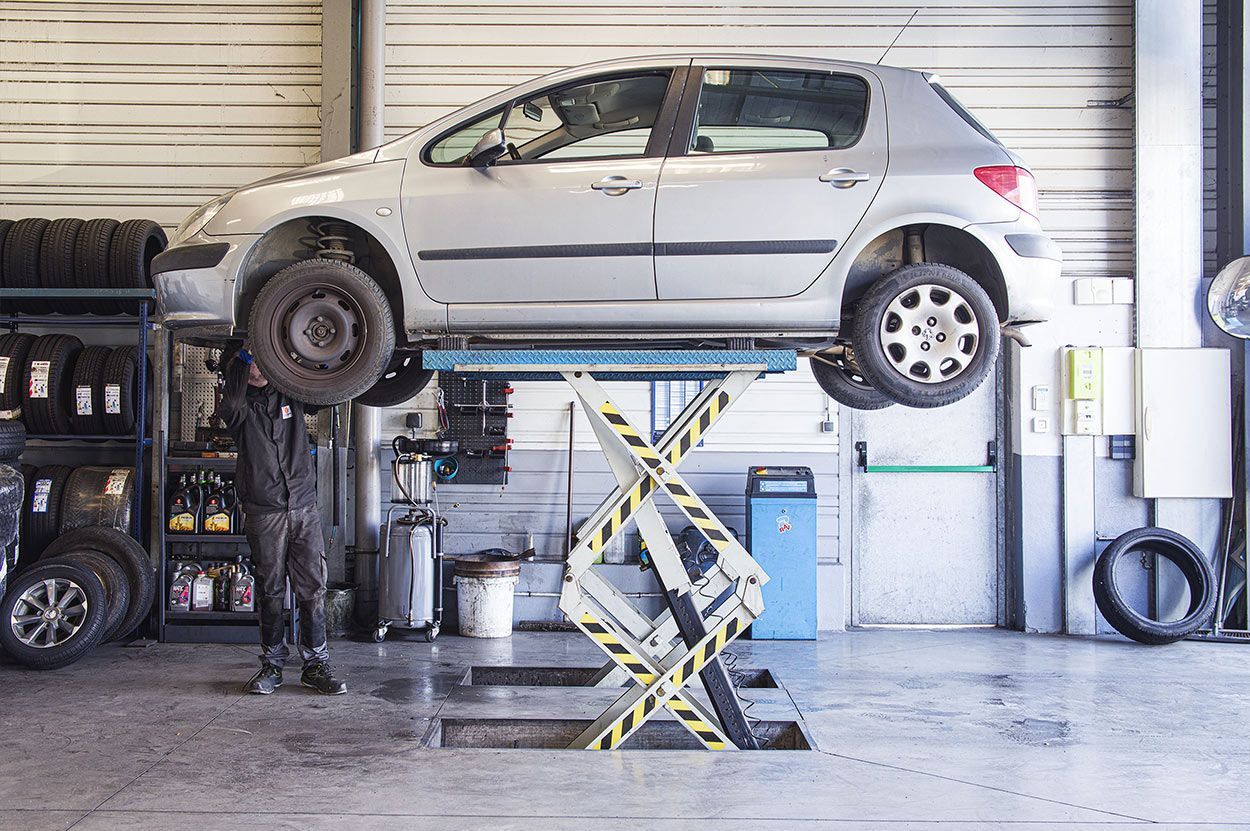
[(842, 380), (322, 331), (926, 335)]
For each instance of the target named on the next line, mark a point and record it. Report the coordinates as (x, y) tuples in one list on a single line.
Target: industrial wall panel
[(150, 108)]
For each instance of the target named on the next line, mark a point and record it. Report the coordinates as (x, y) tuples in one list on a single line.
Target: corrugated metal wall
[(1043, 76), (151, 108)]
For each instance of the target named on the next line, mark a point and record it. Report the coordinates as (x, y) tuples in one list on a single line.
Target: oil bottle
[(202, 592), (185, 508), (180, 589), (242, 589), (218, 517)]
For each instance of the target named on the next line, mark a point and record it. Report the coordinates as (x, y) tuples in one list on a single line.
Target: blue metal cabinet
[(781, 536)]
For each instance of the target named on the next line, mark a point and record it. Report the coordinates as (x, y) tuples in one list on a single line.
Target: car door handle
[(616, 185), (844, 177)]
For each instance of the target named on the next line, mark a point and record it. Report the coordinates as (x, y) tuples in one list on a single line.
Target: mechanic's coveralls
[(277, 486)]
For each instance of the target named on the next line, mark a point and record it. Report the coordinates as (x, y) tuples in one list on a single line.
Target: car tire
[(355, 328), (843, 381), (12, 486), (86, 414), (116, 586), (12, 441), (41, 527), (1182, 553), (14, 352), (91, 260), (98, 496), (56, 262), (135, 243), (404, 378), (5, 225), (46, 405), (129, 554), (72, 581), (926, 335), (21, 261), (120, 391)]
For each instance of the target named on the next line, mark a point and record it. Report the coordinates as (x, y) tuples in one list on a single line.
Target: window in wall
[(668, 399)]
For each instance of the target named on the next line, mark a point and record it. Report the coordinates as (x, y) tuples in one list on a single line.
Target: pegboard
[(477, 413)]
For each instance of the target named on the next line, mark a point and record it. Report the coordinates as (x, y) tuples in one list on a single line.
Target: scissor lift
[(662, 657)]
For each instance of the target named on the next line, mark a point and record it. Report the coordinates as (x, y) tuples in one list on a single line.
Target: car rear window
[(954, 104)]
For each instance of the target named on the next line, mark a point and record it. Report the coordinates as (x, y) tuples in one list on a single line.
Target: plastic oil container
[(202, 593)]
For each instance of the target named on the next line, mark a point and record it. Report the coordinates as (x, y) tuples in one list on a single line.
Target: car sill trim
[(632, 249)]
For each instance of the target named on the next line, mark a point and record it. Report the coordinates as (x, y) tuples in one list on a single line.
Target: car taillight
[(1015, 184)]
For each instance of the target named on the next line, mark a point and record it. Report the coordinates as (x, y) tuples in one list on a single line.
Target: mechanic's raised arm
[(233, 407)]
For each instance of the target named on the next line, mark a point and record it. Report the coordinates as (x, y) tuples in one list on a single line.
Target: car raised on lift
[(856, 212)]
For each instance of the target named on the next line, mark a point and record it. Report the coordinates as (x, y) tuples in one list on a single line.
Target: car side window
[(598, 119), (452, 148), (759, 110)]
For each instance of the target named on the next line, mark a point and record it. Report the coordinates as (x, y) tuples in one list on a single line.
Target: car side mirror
[(488, 149)]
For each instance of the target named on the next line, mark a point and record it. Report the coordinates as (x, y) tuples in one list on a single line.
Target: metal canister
[(413, 480)]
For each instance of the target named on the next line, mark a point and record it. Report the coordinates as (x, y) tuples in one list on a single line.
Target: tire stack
[(60, 499), (77, 254), (59, 387), (90, 586)]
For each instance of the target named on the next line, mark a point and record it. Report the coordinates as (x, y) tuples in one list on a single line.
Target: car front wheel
[(322, 331), (926, 335)]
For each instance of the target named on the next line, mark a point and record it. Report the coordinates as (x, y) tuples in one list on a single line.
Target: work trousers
[(288, 544)]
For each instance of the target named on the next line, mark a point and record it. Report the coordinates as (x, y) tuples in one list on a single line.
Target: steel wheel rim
[(930, 333), (320, 330), (843, 361), (49, 613)]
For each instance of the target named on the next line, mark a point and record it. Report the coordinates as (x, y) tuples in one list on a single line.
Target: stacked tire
[(59, 387), (90, 586), (60, 499), (77, 254)]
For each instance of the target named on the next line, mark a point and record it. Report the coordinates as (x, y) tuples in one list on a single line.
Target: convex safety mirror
[(1228, 298)]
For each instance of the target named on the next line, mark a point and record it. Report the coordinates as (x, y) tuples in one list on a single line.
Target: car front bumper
[(196, 280), (1031, 263)]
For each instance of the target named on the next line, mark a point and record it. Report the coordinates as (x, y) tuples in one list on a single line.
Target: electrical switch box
[(1084, 374)]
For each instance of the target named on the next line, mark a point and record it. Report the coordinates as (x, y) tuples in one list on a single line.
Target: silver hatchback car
[(856, 212)]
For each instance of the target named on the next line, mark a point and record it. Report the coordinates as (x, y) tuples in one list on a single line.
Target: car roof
[(733, 57)]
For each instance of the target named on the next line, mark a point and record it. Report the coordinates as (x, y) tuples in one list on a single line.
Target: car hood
[(343, 163)]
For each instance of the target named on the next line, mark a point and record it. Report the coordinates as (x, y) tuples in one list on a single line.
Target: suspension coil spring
[(333, 241)]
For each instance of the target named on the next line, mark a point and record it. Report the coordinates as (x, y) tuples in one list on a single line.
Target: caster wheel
[(430, 634), (379, 634)]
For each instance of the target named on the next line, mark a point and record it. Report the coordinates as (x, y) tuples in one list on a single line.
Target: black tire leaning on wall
[(56, 263), (116, 586), (91, 260), (21, 261), (49, 411), (129, 554), (134, 244), (41, 527), (1182, 553), (83, 641), (86, 414), (96, 495), (14, 351)]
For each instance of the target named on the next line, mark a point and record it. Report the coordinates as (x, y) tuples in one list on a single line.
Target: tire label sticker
[(39, 503), (116, 484), (4, 370), (112, 398), (286, 411), (39, 371), (82, 400)]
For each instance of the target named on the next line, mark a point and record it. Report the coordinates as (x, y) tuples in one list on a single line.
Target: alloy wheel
[(49, 613)]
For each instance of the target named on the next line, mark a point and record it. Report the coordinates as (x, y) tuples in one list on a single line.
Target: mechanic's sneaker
[(320, 677), (264, 682)]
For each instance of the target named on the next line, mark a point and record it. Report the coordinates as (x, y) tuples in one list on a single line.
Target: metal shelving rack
[(143, 299)]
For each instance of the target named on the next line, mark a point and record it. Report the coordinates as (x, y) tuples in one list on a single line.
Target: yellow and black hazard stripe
[(698, 427), (619, 652), (641, 447), (698, 513), (695, 723), (699, 658), (616, 519)]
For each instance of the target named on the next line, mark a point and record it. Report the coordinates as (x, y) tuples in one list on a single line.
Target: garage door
[(152, 108)]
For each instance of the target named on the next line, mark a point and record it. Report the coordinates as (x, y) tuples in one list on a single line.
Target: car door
[(769, 170), (566, 216)]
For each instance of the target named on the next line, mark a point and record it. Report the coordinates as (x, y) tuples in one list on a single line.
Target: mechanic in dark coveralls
[(277, 486)]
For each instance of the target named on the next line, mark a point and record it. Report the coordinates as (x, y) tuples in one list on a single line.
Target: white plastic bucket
[(485, 605)]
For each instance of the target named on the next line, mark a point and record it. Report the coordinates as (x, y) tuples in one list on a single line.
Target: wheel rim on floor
[(49, 613), (930, 333), (320, 331)]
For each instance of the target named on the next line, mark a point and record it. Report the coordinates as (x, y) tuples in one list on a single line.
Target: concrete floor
[(917, 730)]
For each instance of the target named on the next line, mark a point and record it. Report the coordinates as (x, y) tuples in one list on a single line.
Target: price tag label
[(39, 371), (112, 398), (39, 502), (82, 399), (4, 370), (116, 484)]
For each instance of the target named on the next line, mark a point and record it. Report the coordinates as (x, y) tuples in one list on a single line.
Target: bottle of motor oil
[(185, 508), (222, 578), (202, 592), (180, 589), (243, 590), (218, 516)]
